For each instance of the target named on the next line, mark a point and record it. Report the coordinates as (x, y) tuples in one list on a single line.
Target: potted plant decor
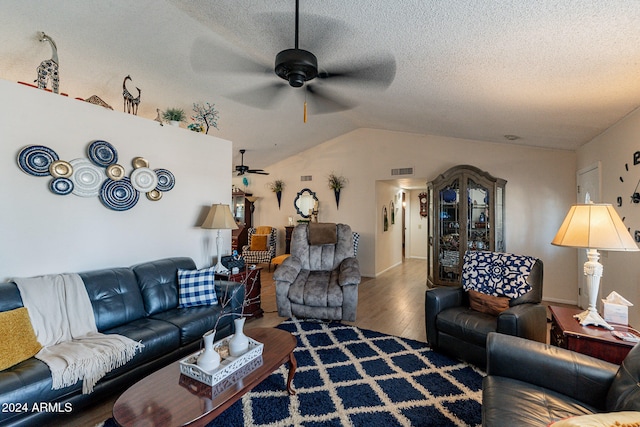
[(337, 183), (174, 116)]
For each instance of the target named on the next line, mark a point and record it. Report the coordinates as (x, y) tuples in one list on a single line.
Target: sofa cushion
[(509, 402), (114, 295), (466, 324), (159, 338), (197, 287), (158, 281), (19, 341), (9, 296), (624, 393), (193, 322)]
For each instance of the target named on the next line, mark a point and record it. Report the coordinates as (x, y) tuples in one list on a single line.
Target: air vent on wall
[(402, 171), (306, 178)]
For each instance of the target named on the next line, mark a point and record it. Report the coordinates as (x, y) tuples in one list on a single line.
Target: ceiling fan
[(242, 168), (299, 69)]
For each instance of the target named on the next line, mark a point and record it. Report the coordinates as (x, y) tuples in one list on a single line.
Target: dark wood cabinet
[(567, 332), (287, 238), (252, 288), (465, 212)]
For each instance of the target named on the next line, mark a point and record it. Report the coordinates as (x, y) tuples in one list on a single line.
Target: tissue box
[(616, 308), (616, 313)]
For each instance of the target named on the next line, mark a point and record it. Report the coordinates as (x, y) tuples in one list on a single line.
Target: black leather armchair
[(456, 329), (533, 384)]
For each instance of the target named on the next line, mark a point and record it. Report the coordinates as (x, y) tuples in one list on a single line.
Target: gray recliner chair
[(320, 279)]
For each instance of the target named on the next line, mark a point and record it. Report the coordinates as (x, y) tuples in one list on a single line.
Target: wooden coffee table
[(168, 398)]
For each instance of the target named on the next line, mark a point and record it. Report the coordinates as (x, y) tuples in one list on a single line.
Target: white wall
[(614, 148), (540, 188), (46, 233), (388, 243), (416, 226)]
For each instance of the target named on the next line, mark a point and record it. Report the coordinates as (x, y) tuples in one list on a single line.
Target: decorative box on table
[(228, 365)]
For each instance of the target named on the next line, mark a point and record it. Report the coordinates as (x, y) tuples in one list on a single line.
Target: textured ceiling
[(554, 72)]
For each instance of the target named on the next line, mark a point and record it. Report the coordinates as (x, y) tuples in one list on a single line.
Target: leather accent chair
[(533, 384), (319, 281), (461, 332)]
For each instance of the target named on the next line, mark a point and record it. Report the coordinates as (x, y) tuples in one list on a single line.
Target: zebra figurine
[(48, 69)]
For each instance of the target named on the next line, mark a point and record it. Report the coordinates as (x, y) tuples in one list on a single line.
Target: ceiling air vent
[(306, 178), (402, 171)]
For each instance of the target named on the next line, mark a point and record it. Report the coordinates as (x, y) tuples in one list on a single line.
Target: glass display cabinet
[(465, 212)]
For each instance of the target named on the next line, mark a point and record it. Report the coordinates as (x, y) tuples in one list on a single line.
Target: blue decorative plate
[(119, 195), (36, 159), (166, 180), (102, 153), (61, 186)]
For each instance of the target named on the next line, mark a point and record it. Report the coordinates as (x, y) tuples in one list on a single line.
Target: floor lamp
[(594, 226), (219, 218)]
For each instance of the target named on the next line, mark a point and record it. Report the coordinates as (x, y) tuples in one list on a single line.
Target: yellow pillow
[(263, 229), (19, 341), (259, 242), (609, 419)]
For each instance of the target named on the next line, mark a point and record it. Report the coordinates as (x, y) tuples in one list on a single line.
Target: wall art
[(98, 175)]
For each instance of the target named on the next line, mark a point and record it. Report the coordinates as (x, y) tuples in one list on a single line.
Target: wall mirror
[(304, 202)]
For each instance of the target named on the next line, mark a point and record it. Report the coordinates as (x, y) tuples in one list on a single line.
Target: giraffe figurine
[(48, 69), (130, 103)]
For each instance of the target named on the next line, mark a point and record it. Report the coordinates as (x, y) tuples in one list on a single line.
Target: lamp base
[(591, 317)]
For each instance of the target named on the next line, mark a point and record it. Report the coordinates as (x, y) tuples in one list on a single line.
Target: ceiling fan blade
[(208, 57), (322, 102), (264, 97), (258, 172), (377, 72)]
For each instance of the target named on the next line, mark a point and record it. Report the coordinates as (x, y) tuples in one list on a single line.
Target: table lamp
[(219, 218), (594, 226)]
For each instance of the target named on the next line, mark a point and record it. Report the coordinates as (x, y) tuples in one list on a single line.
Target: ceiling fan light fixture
[(296, 66)]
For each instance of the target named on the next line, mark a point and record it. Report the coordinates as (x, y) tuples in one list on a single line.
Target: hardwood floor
[(392, 303)]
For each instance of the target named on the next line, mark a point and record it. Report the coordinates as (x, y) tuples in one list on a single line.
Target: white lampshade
[(219, 218), (594, 226)]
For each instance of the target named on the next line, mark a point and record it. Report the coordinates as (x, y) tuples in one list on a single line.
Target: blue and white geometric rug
[(348, 376)]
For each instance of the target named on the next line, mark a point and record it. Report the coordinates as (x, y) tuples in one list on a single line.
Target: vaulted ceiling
[(554, 73)]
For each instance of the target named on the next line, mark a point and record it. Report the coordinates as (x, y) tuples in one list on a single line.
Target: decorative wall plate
[(36, 159), (115, 172), (144, 179), (119, 195), (61, 186), (102, 153), (87, 178), (140, 162), (60, 169), (166, 180), (154, 195)]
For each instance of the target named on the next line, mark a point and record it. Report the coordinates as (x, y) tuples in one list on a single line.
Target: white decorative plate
[(144, 179), (87, 178)]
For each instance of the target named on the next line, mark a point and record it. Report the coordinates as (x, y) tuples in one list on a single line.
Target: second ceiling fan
[(242, 168)]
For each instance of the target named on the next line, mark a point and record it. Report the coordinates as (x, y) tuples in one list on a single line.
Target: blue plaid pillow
[(197, 287)]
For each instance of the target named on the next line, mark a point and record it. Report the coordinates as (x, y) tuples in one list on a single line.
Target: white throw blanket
[(63, 320)]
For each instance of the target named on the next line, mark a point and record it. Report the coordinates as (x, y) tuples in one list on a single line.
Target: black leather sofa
[(461, 332), (533, 384), (140, 302)]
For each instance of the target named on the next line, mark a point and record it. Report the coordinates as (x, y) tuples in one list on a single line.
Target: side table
[(252, 288), (567, 332)]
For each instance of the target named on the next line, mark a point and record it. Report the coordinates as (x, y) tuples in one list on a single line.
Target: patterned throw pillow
[(197, 287), (497, 273)]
